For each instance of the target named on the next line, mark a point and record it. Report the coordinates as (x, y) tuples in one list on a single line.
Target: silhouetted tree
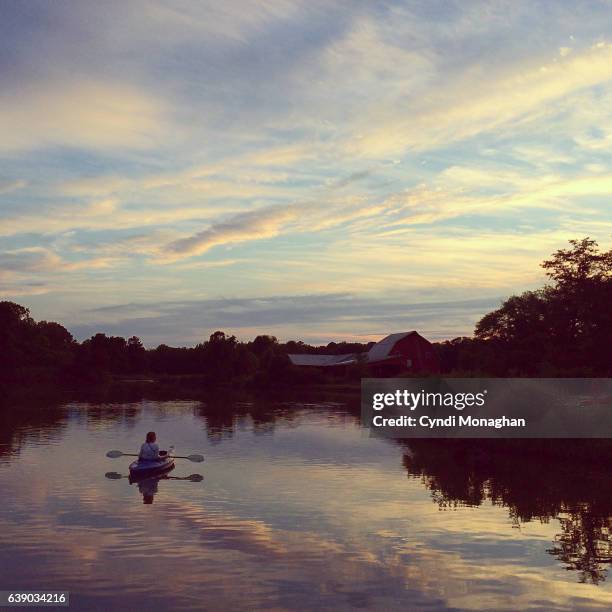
[(579, 305), (136, 355), (105, 353), (30, 351), (218, 356), (15, 329), (55, 345), (563, 328), (261, 344)]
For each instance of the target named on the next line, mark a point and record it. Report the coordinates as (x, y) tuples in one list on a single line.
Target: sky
[(313, 170)]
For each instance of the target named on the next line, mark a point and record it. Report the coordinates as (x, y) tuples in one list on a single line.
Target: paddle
[(191, 477), (114, 475), (116, 453)]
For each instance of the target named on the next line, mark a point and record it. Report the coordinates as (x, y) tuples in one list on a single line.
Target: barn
[(394, 353)]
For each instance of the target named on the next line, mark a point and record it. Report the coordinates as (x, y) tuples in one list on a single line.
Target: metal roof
[(322, 360), (382, 349), (379, 352)]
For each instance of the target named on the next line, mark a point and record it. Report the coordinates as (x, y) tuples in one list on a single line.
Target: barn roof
[(382, 349), (322, 360), (379, 352)]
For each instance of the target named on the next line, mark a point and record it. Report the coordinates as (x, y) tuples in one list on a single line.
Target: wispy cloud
[(270, 221), (247, 226), (28, 260), (452, 112), (319, 317), (80, 113), (43, 260)]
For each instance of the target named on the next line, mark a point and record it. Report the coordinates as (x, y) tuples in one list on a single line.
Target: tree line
[(564, 328)]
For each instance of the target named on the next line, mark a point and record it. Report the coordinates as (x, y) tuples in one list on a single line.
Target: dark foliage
[(29, 351), (565, 328)]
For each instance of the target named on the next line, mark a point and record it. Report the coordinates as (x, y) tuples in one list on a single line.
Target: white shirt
[(149, 451)]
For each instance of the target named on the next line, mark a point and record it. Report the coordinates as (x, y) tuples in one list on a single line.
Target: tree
[(31, 351), (581, 264), (580, 298), (263, 343), (54, 345), (567, 324), (136, 355), (105, 353), (218, 356), (519, 317), (16, 327), (12, 314)]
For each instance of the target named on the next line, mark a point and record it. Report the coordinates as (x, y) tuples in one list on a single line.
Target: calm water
[(298, 509)]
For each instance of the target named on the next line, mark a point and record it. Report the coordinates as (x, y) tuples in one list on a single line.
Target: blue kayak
[(144, 469)]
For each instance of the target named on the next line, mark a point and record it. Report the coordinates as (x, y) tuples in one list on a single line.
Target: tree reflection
[(41, 421), (536, 480), (584, 545), (223, 413), (34, 423)]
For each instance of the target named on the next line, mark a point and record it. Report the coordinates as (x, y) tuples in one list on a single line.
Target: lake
[(299, 508)]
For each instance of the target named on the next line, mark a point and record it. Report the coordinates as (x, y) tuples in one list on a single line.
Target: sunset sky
[(314, 170)]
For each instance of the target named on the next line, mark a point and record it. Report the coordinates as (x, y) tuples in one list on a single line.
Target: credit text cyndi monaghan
[(450, 421)]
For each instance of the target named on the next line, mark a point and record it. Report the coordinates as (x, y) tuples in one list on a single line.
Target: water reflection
[(585, 545), (148, 486), (37, 424), (535, 480), (302, 509)]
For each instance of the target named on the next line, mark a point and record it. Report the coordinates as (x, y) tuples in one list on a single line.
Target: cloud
[(34, 259), (80, 113), (320, 317), (322, 212), (26, 265), (226, 21), (98, 214), (19, 269), (452, 112), (247, 226), (11, 290), (7, 186), (457, 192)]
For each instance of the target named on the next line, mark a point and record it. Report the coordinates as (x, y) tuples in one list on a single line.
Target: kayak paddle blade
[(114, 454), (195, 458)]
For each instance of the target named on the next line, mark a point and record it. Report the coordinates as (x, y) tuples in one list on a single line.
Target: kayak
[(144, 469)]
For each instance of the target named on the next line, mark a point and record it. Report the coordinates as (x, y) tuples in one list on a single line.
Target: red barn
[(394, 353)]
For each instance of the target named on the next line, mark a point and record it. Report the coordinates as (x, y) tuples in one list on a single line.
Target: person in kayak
[(149, 451)]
